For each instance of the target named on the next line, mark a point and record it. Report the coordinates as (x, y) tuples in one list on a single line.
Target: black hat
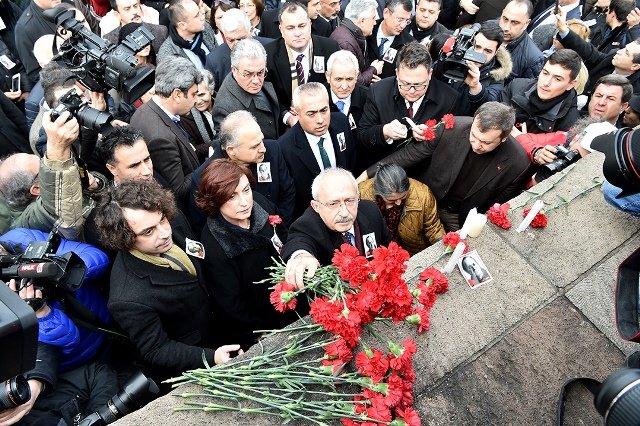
[(622, 163), (634, 103)]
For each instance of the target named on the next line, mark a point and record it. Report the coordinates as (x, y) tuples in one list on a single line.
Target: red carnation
[(497, 215), (471, 282), (431, 123), (372, 363), (421, 318), (539, 221), (451, 240), (351, 266), (448, 121), (274, 220), (338, 349), (429, 134), (283, 296), (401, 356), (409, 415), (390, 261), (426, 295), (438, 280)]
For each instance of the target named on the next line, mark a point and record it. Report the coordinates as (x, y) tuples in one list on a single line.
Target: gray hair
[(229, 127), (357, 9), (16, 188), (208, 79), (390, 179), (234, 19), (247, 49), (334, 171), (174, 73), (343, 57), (495, 116), (306, 89)]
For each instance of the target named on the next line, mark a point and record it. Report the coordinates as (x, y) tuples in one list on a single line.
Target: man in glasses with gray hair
[(411, 93)]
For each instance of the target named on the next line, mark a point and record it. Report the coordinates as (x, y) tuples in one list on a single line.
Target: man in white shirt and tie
[(346, 95)]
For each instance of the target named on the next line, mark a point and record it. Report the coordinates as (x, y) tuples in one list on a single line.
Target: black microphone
[(32, 270)]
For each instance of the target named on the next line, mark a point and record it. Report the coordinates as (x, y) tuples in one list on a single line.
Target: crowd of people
[(278, 129)]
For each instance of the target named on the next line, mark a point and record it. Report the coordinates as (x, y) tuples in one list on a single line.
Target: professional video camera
[(135, 393), (454, 59), (56, 275), (87, 116), (100, 65)]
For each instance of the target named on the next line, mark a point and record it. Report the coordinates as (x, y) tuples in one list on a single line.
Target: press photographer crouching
[(68, 382), (476, 66)]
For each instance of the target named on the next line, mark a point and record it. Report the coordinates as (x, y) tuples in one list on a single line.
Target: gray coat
[(231, 97), (169, 48)]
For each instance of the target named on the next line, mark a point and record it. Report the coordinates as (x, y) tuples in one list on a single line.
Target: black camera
[(454, 65), (100, 65), (87, 116), (16, 391), (56, 275), (564, 158), (135, 393)]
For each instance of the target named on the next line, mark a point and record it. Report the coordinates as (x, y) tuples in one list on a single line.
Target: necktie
[(340, 105), (383, 41), (299, 69), (184, 131), (350, 238), (326, 164), (410, 109)]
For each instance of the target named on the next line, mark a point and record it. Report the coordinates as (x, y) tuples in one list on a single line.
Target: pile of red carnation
[(367, 290)]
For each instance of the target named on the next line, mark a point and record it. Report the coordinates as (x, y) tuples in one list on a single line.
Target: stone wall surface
[(498, 354)]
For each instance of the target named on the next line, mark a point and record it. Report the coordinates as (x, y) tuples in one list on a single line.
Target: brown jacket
[(419, 225)]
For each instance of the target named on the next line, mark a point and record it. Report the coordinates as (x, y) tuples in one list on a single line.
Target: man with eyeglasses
[(410, 94), (320, 140), (245, 89), (389, 35), (335, 217)]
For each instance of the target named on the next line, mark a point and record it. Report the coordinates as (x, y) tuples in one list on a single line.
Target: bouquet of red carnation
[(429, 133), (497, 215)]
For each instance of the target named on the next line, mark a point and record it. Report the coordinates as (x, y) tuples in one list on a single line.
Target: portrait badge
[(264, 172), (369, 243), (390, 55), (342, 143), (352, 122), (318, 64), (194, 248)]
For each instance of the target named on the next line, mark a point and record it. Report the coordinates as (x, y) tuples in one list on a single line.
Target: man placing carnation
[(474, 164)]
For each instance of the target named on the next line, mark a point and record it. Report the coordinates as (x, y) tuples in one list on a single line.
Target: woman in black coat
[(156, 292), (240, 243)]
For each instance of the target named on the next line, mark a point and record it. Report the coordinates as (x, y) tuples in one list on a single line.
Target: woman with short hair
[(408, 207)]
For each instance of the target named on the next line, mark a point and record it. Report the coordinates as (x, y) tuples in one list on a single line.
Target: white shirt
[(416, 106), (380, 36), (347, 103), (305, 61), (328, 146)]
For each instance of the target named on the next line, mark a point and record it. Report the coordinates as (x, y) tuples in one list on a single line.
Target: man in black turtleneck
[(547, 103), (424, 25)]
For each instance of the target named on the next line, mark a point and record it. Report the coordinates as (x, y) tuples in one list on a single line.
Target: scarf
[(391, 216), (235, 240), (539, 106), (175, 258), (194, 45)]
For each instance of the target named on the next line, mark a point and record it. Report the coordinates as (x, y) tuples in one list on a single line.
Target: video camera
[(56, 275), (454, 60), (99, 64)]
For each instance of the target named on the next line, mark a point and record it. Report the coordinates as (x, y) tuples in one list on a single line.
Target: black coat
[(280, 68), (385, 104), (559, 117), (165, 313), (598, 63), (302, 163), (527, 59), (13, 128), (309, 233), (373, 52), (358, 99), (235, 260), (173, 155), (280, 191), (442, 159)]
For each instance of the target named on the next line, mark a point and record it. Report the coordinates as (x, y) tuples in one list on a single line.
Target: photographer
[(67, 382), (484, 82)]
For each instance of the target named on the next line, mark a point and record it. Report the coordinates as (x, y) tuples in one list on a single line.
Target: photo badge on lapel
[(194, 248), (318, 64), (390, 55), (342, 143), (369, 243), (264, 172), (352, 122)]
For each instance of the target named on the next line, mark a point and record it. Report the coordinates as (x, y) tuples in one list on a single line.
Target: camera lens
[(619, 398), (93, 118), (16, 392)]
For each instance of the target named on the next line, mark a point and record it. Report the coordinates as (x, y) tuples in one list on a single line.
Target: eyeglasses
[(246, 5), (416, 87), (336, 205), (259, 74), (403, 21)]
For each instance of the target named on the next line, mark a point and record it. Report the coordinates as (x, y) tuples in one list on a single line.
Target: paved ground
[(498, 354)]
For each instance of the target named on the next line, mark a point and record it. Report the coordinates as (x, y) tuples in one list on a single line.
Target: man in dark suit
[(319, 141), (411, 93), (271, 20), (475, 164), (335, 217), (128, 11), (245, 89), (242, 141), (174, 156), (346, 95), (389, 35), (297, 57)]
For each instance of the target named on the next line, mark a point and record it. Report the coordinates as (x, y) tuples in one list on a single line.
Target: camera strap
[(82, 169), (592, 386), (85, 318)]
